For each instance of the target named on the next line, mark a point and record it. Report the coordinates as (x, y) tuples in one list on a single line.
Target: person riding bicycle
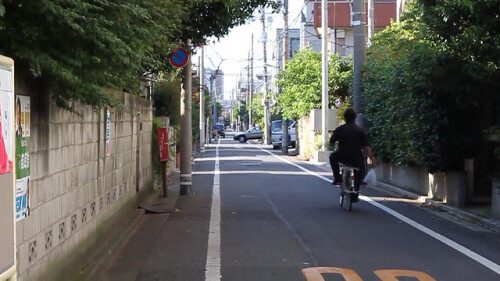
[(352, 140)]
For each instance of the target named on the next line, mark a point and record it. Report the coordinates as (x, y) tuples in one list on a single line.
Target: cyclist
[(352, 140)]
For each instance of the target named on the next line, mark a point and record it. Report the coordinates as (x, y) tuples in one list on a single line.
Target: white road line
[(212, 267), (473, 255)]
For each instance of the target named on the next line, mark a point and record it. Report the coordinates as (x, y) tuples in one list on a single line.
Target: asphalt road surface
[(256, 215)]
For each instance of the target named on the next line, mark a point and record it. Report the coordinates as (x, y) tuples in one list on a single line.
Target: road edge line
[(213, 264), (464, 250)]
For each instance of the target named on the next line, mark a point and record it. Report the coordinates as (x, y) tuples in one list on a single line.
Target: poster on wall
[(22, 198), (23, 117), (107, 142), (6, 148)]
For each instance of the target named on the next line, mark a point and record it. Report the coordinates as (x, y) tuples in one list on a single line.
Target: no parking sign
[(179, 58)]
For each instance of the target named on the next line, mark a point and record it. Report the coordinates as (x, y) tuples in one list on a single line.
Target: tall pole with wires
[(186, 127), (286, 54), (247, 100), (371, 20), (202, 96), (359, 50), (250, 119), (267, 130), (324, 72)]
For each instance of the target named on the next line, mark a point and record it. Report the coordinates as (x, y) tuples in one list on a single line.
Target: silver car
[(252, 133)]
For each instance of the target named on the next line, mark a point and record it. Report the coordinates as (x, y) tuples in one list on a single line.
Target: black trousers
[(357, 162)]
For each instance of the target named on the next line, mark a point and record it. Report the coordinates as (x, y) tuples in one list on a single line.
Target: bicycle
[(348, 194)]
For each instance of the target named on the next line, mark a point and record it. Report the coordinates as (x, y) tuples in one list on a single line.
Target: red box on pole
[(163, 143)]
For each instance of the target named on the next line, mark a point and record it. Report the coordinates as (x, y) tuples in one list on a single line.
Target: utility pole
[(324, 73), (399, 7), (267, 129), (359, 50), (371, 19), (214, 94), (250, 121), (202, 96), (186, 125), (286, 48), (247, 99)]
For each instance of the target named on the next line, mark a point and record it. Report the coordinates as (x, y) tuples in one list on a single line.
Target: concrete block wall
[(75, 186), (309, 139), (449, 187)]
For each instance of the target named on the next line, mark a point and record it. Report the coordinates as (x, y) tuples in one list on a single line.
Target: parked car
[(220, 130), (252, 133), (276, 133)]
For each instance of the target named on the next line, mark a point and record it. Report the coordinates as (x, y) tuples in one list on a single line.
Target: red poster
[(163, 143)]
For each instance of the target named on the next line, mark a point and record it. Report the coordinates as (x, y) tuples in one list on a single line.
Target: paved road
[(256, 215)]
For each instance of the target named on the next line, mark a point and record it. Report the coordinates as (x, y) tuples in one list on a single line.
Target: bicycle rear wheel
[(349, 201)]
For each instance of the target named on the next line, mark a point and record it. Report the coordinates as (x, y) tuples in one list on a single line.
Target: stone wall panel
[(74, 186)]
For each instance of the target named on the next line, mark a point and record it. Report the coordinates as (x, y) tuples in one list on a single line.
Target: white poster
[(6, 130), (108, 133)]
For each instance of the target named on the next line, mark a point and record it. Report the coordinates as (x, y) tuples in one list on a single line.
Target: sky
[(233, 49)]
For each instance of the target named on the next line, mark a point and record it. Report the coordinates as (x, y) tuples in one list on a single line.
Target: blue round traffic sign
[(179, 57)]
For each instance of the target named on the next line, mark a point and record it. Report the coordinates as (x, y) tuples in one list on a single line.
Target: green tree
[(166, 98), (301, 83), (469, 29), (241, 111), (80, 49), (257, 110), (214, 18), (426, 103)]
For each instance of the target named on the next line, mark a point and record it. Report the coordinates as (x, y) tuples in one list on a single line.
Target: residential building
[(339, 21)]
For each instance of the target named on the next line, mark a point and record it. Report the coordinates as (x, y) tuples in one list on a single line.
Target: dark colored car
[(252, 133), (220, 130)]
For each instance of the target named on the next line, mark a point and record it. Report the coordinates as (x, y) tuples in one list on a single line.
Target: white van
[(276, 132)]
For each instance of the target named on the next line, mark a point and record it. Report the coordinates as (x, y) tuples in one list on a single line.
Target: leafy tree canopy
[(214, 18), (428, 99), (469, 29), (82, 48), (301, 83)]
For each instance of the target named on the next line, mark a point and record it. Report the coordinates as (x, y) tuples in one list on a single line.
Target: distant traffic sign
[(179, 57)]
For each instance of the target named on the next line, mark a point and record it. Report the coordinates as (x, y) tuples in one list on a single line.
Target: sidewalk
[(462, 213), (154, 205)]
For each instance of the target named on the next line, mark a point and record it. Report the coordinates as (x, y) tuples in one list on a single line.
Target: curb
[(486, 222), (489, 223)]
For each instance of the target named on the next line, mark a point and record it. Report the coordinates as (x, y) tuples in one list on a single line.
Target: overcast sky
[(233, 49)]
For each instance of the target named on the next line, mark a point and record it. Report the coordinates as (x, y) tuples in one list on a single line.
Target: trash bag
[(371, 177)]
